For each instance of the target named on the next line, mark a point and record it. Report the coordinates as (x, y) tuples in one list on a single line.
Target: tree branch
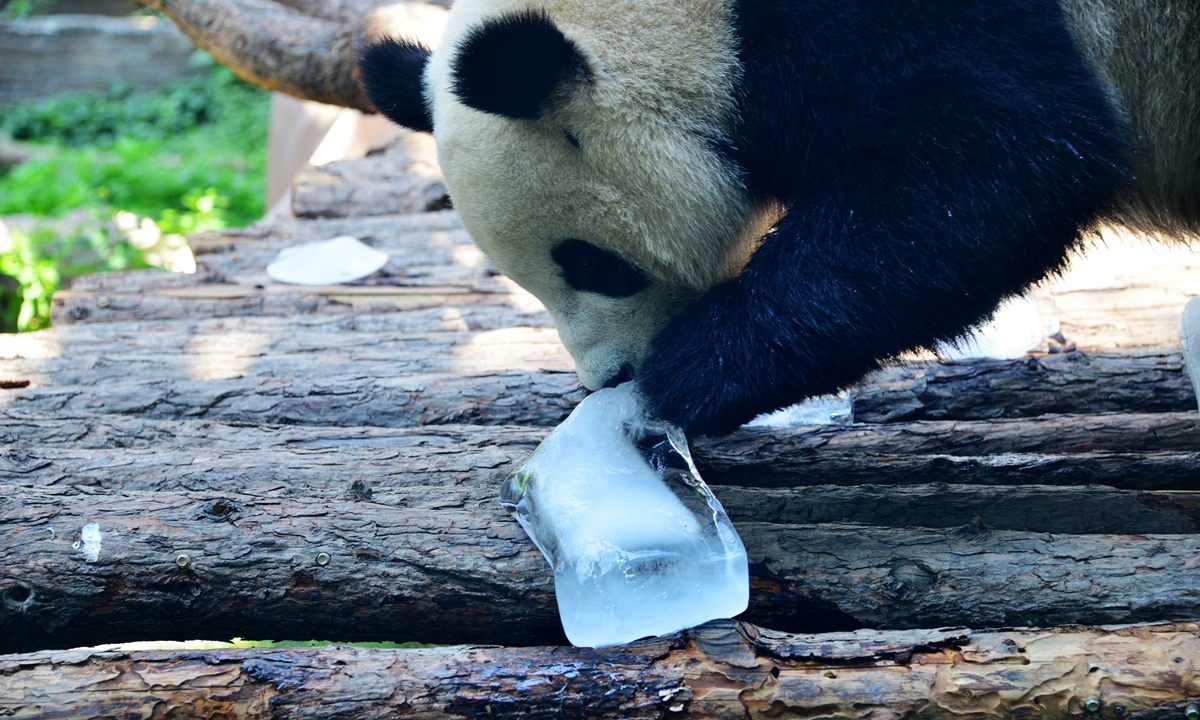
[(304, 48)]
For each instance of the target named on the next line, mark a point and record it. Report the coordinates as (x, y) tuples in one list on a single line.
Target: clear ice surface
[(638, 544)]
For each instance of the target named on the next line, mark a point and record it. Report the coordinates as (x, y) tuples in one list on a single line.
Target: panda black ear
[(514, 64), (393, 73)]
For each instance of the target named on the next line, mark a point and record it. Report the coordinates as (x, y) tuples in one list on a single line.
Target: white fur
[(646, 184)]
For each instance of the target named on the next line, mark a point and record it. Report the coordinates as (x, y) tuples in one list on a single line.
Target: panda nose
[(625, 375)]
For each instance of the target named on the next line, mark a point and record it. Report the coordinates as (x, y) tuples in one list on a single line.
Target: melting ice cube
[(638, 544), (1189, 337)]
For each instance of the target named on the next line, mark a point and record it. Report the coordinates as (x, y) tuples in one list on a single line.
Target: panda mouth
[(624, 375)]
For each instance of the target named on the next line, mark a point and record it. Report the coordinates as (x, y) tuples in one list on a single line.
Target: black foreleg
[(905, 250)]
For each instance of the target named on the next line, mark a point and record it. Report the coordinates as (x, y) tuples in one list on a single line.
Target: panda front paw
[(707, 371)]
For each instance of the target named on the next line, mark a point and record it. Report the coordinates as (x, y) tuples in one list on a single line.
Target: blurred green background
[(112, 172)]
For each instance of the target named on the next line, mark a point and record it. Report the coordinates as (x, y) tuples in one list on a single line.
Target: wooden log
[(404, 178), (161, 357), (330, 329), (746, 454), (432, 468), (720, 670), (376, 396), (233, 301), (485, 398), (1074, 382), (294, 48), (429, 255), (1133, 471), (1042, 451), (439, 566)]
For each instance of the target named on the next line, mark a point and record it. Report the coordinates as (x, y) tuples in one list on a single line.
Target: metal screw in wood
[(323, 559), (102, 301), (183, 560), (1092, 704), (1192, 712)]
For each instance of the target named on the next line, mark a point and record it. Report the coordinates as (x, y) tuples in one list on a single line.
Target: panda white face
[(605, 198)]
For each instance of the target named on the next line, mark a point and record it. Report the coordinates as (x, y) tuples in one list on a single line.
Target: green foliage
[(97, 119), (40, 259), (24, 8), (191, 156)]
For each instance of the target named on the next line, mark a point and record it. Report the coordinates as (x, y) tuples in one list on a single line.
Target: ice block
[(638, 544)]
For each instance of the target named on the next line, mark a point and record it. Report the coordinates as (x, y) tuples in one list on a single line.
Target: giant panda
[(743, 203)]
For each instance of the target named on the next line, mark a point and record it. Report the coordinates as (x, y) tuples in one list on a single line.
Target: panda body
[(746, 203)]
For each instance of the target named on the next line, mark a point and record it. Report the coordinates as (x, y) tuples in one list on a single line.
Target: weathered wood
[(226, 301), (92, 338), (1133, 471), (296, 48), (437, 563), (484, 398), (159, 357), (1037, 451), (720, 670), (404, 178), (754, 450), (1037, 508), (1125, 432), (228, 378), (1032, 450), (461, 467), (433, 264), (1075, 382)]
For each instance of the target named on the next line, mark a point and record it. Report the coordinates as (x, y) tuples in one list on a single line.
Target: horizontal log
[(486, 398), (1125, 432), (890, 455), (720, 670), (431, 262), (453, 469), (405, 177), (442, 568), (166, 391), (232, 300), (314, 313), (162, 357), (1038, 508), (755, 449), (1132, 471), (1075, 382)]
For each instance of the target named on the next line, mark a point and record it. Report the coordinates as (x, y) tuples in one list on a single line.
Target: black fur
[(589, 268), (393, 72), (512, 65), (934, 157)]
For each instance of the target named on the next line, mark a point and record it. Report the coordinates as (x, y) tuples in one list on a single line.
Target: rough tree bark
[(432, 557), (305, 48), (721, 670)]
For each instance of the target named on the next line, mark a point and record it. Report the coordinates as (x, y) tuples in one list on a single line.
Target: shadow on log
[(721, 670)]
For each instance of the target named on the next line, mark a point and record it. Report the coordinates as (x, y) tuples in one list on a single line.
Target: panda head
[(580, 142)]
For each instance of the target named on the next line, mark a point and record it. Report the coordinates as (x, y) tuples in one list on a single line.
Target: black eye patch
[(592, 269)]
